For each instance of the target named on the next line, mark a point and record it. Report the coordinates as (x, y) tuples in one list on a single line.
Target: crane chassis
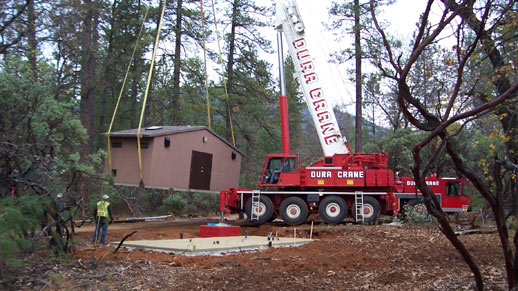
[(343, 183)]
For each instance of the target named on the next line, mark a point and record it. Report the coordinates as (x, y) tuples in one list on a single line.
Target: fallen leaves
[(352, 257)]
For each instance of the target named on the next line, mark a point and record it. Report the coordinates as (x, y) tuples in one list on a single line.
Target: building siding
[(170, 167)]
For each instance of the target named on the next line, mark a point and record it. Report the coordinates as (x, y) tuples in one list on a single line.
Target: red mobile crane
[(342, 180)]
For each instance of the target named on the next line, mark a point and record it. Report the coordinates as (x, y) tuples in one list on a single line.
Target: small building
[(175, 157)]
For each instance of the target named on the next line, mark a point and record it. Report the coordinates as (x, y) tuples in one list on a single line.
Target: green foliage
[(40, 133), (398, 144), (180, 203), (478, 202), (56, 278), (255, 114), (19, 220), (296, 108), (415, 217), (482, 148), (174, 204), (156, 202)]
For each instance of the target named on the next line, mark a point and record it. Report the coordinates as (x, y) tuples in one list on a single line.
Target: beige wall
[(125, 161), (170, 167)]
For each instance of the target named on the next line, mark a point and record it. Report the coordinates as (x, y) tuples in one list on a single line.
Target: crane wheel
[(419, 206), (264, 209), (293, 210), (332, 209), (371, 209)]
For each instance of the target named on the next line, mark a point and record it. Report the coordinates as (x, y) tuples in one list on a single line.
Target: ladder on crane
[(256, 198), (358, 198)]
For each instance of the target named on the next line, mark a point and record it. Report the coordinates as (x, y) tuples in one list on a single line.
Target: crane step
[(358, 200), (256, 198)]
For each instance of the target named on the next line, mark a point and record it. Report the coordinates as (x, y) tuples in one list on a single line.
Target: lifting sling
[(109, 146), (205, 64), (223, 74), (146, 93)]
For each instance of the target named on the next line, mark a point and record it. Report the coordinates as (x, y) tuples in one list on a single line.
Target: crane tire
[(419, 206), (293, 210), (265, 210), (372, 207), (332, 209)]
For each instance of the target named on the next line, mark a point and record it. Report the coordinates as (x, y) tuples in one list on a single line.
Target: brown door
[(201, 169)]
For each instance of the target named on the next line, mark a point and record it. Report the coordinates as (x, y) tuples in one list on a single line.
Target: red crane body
[(342, 183)]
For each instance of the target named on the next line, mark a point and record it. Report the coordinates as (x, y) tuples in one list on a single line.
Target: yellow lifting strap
[(223, 73), (205, 64), (147, 91), (109, 146)]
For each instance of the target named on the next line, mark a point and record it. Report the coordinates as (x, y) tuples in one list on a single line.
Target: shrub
[(19, 219), (415, 217), (205, 203), (174, 204), (190, 203)]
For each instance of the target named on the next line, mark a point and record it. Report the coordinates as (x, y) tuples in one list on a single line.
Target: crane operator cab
[(277, 167)]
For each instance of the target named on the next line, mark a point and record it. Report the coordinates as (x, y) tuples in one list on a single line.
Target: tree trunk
[(149, 107), (107, 81), (358, 60), (9, 22), (32, 39), (134, 95), (230, 73), (175, 100), (88, 62), (502, 83), (373, 122), (134, 85)]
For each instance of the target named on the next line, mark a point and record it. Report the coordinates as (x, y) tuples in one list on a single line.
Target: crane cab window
[(453, 189), (289, 165), (276, 166), (272, 171)]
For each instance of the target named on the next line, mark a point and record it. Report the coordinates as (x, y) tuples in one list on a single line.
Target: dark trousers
[(101, 223)]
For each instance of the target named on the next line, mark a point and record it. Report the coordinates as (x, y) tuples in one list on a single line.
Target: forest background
[(446, 97)]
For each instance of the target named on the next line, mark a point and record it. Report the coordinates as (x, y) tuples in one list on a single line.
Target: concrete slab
[(213, 245)]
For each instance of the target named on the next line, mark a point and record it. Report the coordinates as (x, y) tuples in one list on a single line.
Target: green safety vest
[(102, 208)]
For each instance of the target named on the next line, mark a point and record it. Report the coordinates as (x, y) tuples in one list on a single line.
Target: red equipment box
[(218, 231)]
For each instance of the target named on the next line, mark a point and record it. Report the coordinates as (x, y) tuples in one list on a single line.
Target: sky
[(402, 17)]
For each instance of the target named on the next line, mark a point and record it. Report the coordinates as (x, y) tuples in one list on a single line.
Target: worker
[(102, 217), (60, 207)]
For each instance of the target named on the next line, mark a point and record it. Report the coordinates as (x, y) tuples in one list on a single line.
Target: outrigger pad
[(219, 230)]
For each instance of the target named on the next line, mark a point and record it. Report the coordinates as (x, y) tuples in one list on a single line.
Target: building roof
[(155, 131)]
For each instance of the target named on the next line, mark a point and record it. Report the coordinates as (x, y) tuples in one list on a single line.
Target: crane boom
[(289, 22), (341, 181)]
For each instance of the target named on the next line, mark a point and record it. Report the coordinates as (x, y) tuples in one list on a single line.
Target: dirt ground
[(343, 257)]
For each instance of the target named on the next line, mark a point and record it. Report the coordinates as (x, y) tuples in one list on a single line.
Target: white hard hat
[(59, 195), (106, 197)]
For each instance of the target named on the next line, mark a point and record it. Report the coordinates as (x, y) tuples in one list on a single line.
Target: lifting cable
[(147, 91), (122, 89), (205, 64), (223, 73)]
